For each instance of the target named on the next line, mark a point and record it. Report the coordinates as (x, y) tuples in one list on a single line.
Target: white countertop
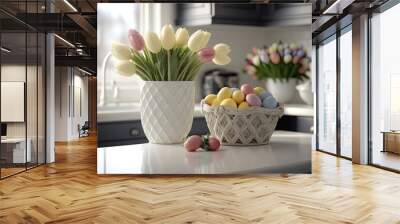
[(134, 112), (288, 152)]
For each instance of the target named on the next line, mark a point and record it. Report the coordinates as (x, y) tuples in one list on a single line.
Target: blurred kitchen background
[(242, 26)]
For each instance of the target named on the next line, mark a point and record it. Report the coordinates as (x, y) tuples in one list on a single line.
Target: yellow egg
[(244, 105), (238, 96), (224, 93), (216, 102), (229, 103), (259, 90), (210, 98)]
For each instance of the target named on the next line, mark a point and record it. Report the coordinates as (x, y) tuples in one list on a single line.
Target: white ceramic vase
[(167, 109), (282, 90), (305, 92)]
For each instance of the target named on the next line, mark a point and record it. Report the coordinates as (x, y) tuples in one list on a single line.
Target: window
[(327, 96), (385, 86), (114, 20), (346, 92)]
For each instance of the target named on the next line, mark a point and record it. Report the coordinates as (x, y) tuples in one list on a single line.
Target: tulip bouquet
[(168, 57), (280, 61)]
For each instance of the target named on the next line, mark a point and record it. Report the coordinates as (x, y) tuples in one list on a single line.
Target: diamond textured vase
[(282, 90), (167, 109)]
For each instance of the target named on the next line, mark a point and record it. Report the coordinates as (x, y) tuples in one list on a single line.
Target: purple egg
[(253, 100)]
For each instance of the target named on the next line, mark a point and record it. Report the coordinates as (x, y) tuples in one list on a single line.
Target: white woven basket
[(253, 126)]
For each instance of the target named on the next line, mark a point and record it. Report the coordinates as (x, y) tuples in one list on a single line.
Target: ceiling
[(75, 22)]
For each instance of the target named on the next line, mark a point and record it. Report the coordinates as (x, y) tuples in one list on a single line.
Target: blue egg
[(269, 102), (265, 94)]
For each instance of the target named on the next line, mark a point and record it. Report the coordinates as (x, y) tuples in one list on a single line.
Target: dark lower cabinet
[(131, 132)]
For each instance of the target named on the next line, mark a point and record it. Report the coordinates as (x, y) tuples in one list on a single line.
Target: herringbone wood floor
[(69, 191)]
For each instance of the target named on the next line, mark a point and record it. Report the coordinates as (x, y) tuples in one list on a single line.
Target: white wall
[(243, 38), (69, 82)]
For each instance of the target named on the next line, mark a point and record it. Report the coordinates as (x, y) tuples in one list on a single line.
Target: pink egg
[(192, 143), (253, 100), (213, 144), (246, 89)]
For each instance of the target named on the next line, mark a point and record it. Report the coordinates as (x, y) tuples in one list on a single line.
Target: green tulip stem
[(169, 65)]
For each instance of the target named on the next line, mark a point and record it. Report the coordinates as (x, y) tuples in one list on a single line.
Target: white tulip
[(121, 51), (181, 37), (256, 60), (221, 59), (206, 37), (167, 37), (198, 40), (287, 58), (222, 49), (126, 68), (153, 43), (195, 40)]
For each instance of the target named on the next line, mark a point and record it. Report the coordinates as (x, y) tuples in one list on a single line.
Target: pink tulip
[(302, 70), (136, 40), (296, 59), (275, 58), (206, 54)]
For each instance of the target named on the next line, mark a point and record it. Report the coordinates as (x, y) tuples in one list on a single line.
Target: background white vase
[(167, 109), (282, 90), (305, 92)]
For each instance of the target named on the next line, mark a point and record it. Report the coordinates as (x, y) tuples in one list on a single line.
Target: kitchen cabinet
[(197, 14), (131, 132)]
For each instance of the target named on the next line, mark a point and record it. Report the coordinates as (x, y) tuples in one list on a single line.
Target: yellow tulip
[(120, 51), (181, 37), (126, 68), (153, 43), (167, 37)]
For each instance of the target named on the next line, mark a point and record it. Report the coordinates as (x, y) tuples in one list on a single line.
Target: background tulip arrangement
[(172, 56), (280, 61)]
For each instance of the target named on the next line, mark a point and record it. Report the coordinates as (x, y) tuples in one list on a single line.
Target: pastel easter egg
[(269, 102), (238, 96), (224, 93), (265, 95), (244, 105), (246, 89), (229, 103), (253, 100), (213, 144), (192, 143), (210, 98), (258, 90), (216, 102)]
